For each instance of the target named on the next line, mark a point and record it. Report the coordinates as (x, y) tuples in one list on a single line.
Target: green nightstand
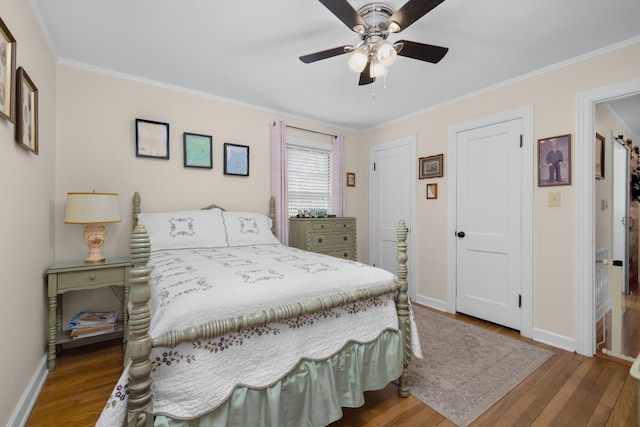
[(79, 276)]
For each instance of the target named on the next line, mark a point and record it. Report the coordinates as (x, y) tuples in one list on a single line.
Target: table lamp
[(93, 210)]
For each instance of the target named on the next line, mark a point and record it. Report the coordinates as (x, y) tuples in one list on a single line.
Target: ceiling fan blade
[(324, 54), (422, 52), (365, 76), (411, 12), (345, 12)]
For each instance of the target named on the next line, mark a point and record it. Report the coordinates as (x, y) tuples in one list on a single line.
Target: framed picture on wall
[(197, 151), (7, 73), (351, 179), (430, 167), (152, 139), (432, 191), (599, 156), (554, 161), (26, 111), (236, 159)]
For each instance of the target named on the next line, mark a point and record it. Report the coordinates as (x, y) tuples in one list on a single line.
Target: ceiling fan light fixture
[(359, 59), (360, 29), (377, 69), (386, 53), (393, 27)]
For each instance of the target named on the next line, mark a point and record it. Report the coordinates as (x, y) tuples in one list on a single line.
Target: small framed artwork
[(599, 156), (432, 191), (197, 151), (351, 179), (430, 167), (26, 111), (152, 139), (236, 159), (554, 161), (7, 73)]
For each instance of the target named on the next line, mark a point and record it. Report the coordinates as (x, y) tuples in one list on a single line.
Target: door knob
[(461, 234)]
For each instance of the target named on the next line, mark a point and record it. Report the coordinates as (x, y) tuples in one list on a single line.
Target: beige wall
[(26, 218), (553, 95)]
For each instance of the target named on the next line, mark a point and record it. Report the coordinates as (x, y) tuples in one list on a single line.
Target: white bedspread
[(194, 286)]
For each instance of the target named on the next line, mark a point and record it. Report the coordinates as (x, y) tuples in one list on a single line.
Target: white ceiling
[(247, 51)]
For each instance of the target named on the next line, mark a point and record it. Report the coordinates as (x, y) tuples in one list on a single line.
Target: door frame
[(526, 115), (585, 216), (411, 140)]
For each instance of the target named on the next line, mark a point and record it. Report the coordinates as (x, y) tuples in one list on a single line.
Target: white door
[(488, 243), (620, 206), (392, 192)]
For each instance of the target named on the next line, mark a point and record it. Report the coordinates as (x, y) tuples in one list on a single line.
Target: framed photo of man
[(554, 161)]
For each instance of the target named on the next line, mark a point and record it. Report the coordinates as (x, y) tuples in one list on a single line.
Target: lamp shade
[(359, 59), (377, 69), (386, 53), (89, 208)]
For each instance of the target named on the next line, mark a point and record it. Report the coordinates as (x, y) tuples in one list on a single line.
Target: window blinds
[(308, 179)]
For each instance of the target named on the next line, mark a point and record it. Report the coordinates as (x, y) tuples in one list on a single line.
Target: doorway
[(585, 247), (616, 300)]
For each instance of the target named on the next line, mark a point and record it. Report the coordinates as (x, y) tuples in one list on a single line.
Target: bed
[(227, 326)]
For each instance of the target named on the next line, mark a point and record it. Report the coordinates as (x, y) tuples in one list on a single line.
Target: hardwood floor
[(630, 345), (568, 390)]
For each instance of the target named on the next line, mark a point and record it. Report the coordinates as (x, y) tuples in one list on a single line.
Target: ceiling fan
[(373, 23)]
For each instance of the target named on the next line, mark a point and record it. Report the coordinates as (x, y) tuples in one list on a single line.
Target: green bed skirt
[(313, 393)]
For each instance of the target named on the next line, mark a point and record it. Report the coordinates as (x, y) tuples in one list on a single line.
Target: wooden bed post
[(272, 214), (402, 306), (140, 408), (136, 209)]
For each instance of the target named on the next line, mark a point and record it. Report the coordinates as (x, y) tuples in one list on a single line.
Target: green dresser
[(331, 236)]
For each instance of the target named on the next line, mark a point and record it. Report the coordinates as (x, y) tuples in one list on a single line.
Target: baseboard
[(430, 302), (21, 413), (553, 339)]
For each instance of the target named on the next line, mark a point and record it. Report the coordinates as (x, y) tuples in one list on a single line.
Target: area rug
[(466, 369)]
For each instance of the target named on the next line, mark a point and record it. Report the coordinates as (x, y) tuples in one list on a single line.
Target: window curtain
[(279, 179), (337, 176)]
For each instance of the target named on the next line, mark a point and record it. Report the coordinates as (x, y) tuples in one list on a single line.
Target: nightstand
[(330, 236), (79, 276)]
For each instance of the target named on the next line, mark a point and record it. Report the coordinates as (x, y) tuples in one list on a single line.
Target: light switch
[(604, 204), (554, 200)]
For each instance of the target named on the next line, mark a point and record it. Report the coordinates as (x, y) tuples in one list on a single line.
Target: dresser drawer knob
[(92, 277), (345, 238), (320, 240)]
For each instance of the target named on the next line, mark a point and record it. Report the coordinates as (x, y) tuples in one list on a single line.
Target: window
[(308, 176)]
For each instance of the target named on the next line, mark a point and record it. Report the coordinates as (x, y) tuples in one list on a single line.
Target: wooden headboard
[(135, 211)]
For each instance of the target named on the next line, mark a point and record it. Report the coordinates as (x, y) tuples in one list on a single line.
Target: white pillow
[(185, 229), (248, 228)]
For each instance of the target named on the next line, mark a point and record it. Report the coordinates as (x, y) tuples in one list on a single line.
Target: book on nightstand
[(92, 323), (93, 331), (90, 319)]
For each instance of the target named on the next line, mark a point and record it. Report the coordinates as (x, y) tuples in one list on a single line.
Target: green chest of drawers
[(331, 236)]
